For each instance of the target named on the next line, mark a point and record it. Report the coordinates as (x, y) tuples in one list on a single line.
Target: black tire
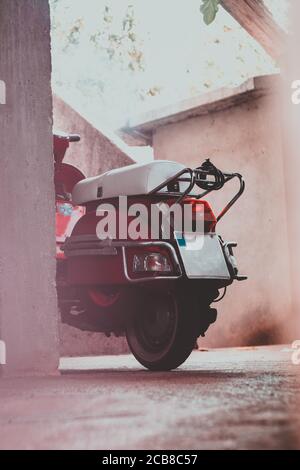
[(163, 331)]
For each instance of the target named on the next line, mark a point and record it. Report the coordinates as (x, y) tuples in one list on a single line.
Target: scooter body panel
[(94, 261)]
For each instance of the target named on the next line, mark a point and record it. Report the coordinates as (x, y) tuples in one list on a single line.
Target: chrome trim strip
[(106, 251)]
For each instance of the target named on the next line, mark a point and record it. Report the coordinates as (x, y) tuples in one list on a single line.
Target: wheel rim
[(156, 325), (103, 298)]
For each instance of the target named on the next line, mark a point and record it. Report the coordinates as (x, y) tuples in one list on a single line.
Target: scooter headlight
[(151, 262)]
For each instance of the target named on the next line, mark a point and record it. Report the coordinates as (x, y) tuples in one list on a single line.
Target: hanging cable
[(208, 168), (222, 296)]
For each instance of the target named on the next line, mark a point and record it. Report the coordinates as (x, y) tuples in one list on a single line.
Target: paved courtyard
[(241, 398)]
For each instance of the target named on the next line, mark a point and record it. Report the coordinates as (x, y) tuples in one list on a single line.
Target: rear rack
[(200, 177)]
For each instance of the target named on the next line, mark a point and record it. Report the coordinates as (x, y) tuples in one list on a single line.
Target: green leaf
[(209, 9)]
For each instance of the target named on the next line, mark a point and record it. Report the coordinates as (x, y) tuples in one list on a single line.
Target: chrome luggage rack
[(206, 177)]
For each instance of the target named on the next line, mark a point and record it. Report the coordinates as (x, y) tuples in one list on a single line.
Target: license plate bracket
[(202, 256)]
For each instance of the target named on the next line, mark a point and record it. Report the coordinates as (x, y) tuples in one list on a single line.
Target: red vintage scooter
[(157, 288)]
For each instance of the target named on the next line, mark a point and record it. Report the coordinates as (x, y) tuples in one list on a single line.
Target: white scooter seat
[(136, 179)]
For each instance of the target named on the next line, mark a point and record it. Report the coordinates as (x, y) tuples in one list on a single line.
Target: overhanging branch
[(256, 19)]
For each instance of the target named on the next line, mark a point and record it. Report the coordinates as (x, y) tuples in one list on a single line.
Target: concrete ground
[(244, 398)]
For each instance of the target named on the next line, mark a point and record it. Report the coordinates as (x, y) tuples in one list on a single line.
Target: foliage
[(122, 45), (118, 41), (209, 9), (94, 53)]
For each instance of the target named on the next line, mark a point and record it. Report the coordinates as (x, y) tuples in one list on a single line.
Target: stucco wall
[(28, 306), (245, 138), (290, 71), (95, 153)]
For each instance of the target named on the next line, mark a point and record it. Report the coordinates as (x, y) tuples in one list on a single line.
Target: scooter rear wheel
[(162, 333)]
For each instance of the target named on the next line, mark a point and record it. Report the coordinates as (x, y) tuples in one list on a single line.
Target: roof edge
[(139, 130)]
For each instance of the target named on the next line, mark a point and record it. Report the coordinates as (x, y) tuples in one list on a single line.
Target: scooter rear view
[(144, 258)]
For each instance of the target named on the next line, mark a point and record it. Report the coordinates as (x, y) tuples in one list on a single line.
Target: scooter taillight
[(202, 209), (151, 262), (148, 261)]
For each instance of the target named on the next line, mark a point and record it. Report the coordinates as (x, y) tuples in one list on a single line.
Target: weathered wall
[(95, 153), (290, 67), (28, 307), (247, 139), (74, 342)]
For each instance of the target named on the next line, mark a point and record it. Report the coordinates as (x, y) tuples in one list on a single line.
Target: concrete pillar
[(290, 67), (28, 305)]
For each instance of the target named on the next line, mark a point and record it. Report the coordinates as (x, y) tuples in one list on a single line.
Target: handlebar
[(74, 138)]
